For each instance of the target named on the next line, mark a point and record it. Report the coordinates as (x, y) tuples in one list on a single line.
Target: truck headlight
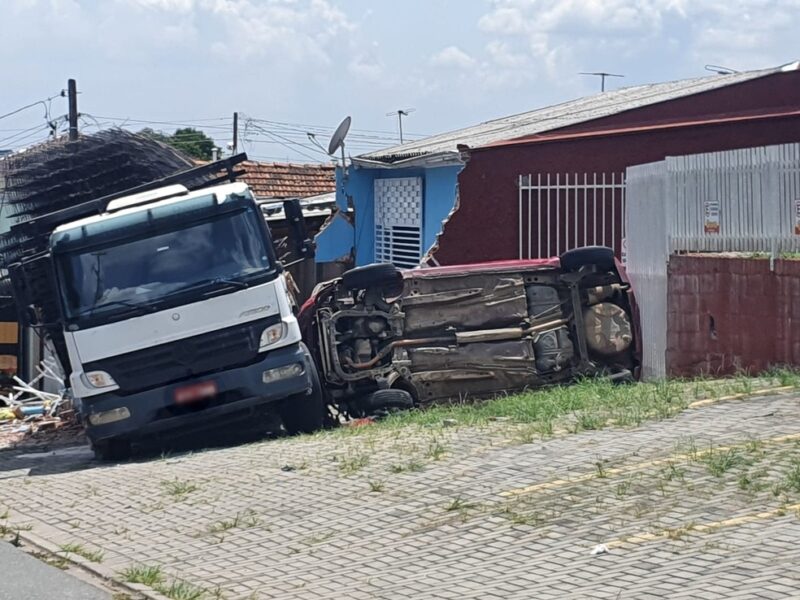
[(109, 416), (285, 372), (272, 335), (99, 379)]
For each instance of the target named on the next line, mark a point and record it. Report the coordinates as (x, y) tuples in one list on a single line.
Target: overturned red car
[(386, 339)]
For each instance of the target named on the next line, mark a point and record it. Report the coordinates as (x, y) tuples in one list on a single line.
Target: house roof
[(315, 206), (279, 180), (537, 121)]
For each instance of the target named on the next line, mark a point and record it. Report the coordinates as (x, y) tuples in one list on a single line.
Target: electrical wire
[(31, 105), (24, 135), (287, 145)]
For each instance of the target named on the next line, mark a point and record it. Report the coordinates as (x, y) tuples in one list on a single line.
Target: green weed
[(178, 489), (352, 463), (720, 462), (95, 556), (180, 590), (435, 450), (411, 466), (458, 504), (149, 575)]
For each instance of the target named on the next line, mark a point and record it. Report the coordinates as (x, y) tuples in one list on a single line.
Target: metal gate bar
[(555, 209)]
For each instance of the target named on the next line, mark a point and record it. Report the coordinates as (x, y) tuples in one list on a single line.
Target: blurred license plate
[(195, 392)]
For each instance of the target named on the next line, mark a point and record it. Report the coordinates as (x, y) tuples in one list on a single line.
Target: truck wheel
[(113, 449), (379, 274), (305, 413), (602, 257)]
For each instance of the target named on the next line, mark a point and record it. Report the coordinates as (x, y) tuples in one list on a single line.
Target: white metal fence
[(737, 201), (561, 211)]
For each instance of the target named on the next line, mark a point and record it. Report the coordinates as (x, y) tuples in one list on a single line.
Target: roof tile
[(284, 180)]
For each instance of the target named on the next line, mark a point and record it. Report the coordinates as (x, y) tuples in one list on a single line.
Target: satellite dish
[(337, 139)]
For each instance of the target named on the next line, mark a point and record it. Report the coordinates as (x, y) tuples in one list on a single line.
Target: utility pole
[(403, 112), (72, 97), (235, 132), (602, 75)]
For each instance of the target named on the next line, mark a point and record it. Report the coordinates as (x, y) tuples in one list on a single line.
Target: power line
[(328, 129), (31, 105), (194, 123), (24, 135), (305, 154)]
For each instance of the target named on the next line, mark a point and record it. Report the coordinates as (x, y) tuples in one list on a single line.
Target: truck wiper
[(138, 307), (208, 282)]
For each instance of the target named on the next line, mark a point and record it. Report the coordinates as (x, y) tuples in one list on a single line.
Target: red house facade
[(541, 194)]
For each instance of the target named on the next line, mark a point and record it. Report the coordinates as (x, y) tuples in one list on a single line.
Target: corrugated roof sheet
[(569, 113), (278, 180)]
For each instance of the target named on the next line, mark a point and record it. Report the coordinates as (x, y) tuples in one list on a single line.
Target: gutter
[(438, 159)]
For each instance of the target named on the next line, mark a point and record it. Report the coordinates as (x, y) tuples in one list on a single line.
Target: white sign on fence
[(711, 216), (797, 217)]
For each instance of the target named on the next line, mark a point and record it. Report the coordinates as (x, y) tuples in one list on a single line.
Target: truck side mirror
[(302, 245)]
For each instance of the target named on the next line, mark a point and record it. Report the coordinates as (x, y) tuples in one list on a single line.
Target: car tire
[(112, 450), (600, 256), (385, 401), (377, 275), (305, 413)]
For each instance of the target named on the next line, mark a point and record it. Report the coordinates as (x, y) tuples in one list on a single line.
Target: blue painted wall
[(438, 197)]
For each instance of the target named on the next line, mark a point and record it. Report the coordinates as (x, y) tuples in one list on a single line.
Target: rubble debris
[(35, 418)]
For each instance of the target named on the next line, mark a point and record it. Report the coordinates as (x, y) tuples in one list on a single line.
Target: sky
[(295, 66)]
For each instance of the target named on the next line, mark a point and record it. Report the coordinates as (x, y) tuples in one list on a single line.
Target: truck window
[(145, 270)]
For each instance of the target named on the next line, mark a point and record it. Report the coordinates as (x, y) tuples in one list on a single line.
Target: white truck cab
[(176, 316)]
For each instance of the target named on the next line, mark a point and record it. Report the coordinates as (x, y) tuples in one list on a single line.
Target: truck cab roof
[(144, 201)]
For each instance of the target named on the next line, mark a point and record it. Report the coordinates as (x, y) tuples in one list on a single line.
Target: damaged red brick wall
[(730, 314)]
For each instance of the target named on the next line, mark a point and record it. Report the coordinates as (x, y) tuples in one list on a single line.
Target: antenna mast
[(602, 75), (403, 112)]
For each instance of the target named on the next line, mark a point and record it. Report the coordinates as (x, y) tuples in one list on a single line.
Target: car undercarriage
[(388, 339)]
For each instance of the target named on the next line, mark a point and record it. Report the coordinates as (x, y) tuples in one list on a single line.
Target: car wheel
[(113, 449), (602, 257), (381, 402), (377, 275), (305, 413)]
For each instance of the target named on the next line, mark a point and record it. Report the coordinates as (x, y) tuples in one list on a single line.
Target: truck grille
[(190, 357)]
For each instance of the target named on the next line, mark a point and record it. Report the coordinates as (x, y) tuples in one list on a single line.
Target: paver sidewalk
[(701, 505)]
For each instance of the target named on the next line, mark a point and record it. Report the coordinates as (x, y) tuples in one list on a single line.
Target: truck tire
[(112, 450), (379, 274), (305, 413), (600, 256)]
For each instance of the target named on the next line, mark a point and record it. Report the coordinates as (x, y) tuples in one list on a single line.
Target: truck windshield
[(143, 273)]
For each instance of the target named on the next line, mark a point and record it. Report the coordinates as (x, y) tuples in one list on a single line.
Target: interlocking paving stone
[(319, 532)]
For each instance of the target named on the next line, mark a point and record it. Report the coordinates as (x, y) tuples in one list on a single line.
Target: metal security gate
[(562, 211), (398, 221)]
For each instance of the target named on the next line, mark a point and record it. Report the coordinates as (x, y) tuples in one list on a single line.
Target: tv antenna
[(337, 139), (602, 75), (720, 70), (403, 112)]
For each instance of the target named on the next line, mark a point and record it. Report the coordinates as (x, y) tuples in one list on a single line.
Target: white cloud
[(182, 6), (452, 57), (367, 66), (557, 37)]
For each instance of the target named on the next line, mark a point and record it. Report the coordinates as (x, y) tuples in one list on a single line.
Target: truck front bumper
[(240, 392)]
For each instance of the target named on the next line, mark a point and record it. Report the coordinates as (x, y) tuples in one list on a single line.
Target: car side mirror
[(302, 245)]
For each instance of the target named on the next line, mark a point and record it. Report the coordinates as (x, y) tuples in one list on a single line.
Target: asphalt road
[(27, 578)]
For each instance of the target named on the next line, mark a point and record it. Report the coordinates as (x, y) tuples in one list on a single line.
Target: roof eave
[(436, 159)]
